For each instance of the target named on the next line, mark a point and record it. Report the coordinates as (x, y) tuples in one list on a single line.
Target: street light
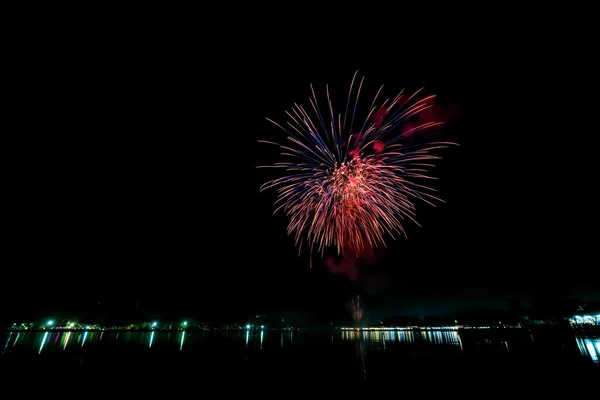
[(50, 323)]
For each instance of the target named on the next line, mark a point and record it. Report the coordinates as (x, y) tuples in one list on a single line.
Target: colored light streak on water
[(590, 347), (405, 336), (360, 353), (85, 335), (16, 339), (182, 339), (388, 337), (262, 334), (247, 338), (66, 340), (43, 342), (442, 337), (151, 339), (459, 341), (7, 342)]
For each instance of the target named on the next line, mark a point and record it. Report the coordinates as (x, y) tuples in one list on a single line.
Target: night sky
[(139, 185)]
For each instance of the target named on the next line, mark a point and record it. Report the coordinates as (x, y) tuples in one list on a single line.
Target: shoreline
[(594, 330)]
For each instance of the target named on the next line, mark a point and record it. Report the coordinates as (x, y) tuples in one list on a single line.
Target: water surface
[(340, 355)]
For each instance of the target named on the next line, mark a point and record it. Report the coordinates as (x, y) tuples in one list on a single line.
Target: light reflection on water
[(43, 342), (66, 340), (7, 342), (385, 341), (590, 347), (404, 336)]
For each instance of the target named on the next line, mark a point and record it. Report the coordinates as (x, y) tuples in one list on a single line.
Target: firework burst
[(348, 185)]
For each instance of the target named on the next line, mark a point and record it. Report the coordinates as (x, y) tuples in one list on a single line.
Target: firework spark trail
[(348, 189), (357, 311)]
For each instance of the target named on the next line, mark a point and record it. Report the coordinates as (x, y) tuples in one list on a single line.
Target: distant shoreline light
[(408, 328), (576, 321)]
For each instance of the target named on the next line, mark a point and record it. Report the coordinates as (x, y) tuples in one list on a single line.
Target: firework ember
[(350, 186)]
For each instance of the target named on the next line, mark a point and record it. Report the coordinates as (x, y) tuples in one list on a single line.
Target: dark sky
[(139, 184)]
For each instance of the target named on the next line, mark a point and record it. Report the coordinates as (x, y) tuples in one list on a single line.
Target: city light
[(406, 328), (585, 320), (182, 325)]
